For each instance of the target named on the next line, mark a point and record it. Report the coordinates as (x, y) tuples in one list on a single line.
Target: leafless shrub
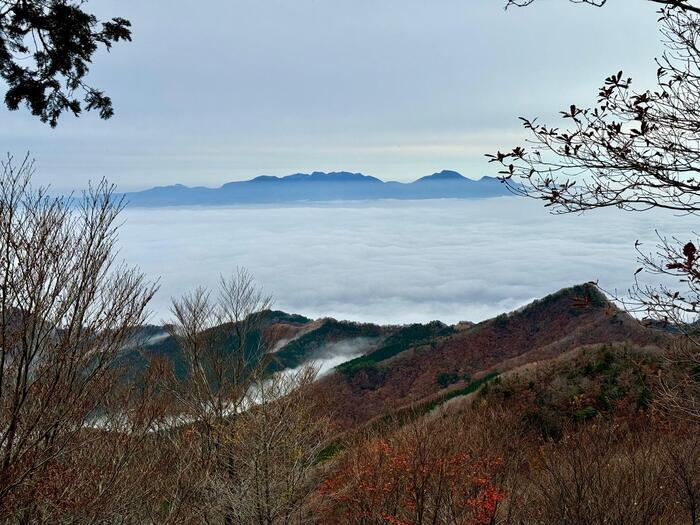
[(67, 308), (635, 151), (605, 474), (274, 449)]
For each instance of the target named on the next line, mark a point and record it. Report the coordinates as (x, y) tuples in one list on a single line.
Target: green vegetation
[(136, 360), (585, 413), (581, 296), (596, 383), (501, 321), (405, 415), (400, 341), (278, 316), (644, 394), (473, 386), (330, 450), (586, 296), (445, 379), (295, 352)]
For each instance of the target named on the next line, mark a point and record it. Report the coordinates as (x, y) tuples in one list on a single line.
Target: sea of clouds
[(392, 261)]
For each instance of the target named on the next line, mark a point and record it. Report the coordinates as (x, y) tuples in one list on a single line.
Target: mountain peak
[(262, 178), (320, 186), (333, 176), (443, 175)]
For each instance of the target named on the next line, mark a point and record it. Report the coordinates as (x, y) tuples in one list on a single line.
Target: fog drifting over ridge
[(392, 261)]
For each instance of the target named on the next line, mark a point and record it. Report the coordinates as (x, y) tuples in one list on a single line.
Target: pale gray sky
[(210, 92)]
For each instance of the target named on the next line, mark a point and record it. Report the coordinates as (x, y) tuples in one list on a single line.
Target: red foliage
[(411, 482), (542, 330)]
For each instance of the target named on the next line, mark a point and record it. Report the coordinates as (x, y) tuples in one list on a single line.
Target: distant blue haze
[(319, 187)]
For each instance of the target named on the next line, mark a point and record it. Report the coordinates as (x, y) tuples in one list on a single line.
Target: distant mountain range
[(319, 187)]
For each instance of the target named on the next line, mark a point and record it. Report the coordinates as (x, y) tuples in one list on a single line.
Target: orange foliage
[(540, 331), (410, 481)]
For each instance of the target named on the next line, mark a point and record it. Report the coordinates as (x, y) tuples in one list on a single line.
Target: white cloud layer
[(390, 261)]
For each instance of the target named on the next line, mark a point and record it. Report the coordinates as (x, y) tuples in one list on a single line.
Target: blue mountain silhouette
[(319, 187)]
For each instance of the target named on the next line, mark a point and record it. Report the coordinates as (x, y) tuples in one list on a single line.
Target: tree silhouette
[(635, 151), (46, 48), (680, 4)]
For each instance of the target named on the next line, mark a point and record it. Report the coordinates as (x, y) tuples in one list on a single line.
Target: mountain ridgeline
[(319, 187), (376, 368)]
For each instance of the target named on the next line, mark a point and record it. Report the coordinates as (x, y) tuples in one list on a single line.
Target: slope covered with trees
[(581, 438), (446, 358)]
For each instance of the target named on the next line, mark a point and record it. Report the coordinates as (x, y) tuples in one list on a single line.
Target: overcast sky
[(210, 92)]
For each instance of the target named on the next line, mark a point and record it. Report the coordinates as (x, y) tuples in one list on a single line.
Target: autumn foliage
[(542, 419), (413, 478)]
